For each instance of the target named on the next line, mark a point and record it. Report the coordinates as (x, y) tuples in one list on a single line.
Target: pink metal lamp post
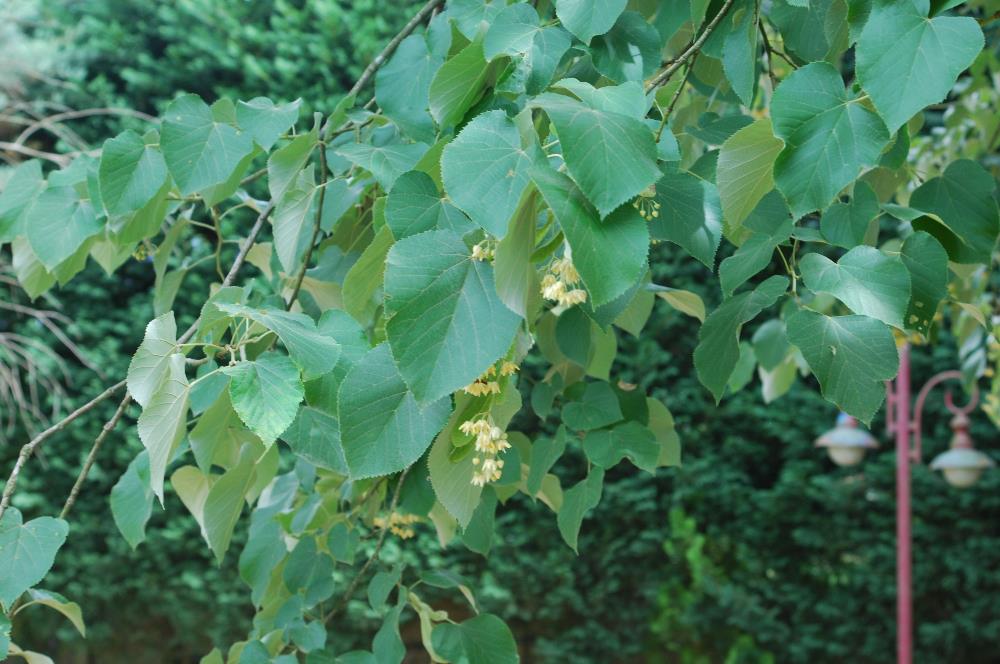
[(962, 466)]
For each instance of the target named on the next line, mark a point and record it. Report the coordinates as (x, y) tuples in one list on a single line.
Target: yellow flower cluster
[(648, 208), (485, 384), (483, 252), (491, 442), (400, 525), (558, 284)]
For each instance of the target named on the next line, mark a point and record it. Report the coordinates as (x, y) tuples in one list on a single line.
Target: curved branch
[(92, 456), (47, 122), (672, 68)]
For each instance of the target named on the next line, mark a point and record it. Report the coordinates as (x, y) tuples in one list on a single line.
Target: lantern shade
[(962, 467), (846, 443)]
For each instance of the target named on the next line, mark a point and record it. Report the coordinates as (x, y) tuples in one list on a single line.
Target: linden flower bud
[(508, 368)]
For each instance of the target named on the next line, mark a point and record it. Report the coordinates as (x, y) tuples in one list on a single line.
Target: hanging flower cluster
[(483, 251), (487, 383), (646, 204), (400, 525), (558, 285), (491, 442)]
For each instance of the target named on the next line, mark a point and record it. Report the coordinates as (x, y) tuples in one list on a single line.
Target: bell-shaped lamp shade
[(962, 465), (847, 443)]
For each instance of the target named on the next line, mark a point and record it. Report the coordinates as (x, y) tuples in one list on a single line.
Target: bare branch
[(49, 121), (672, 68)]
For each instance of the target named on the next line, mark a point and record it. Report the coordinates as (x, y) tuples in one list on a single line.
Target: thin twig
[(75, 115), (390, 48), (673, 100), (29, 447), (665, 75), (774, 51), (60, 159), (301, 275), (92, 456), (356, 581)]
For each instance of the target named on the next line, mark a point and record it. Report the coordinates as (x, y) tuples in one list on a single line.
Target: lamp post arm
[(918, 407)]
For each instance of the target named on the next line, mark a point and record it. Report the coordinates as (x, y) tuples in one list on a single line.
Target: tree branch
[(301, 275), (29, 447), (356, 581), (390, 48), (92, 456), (672, 68)]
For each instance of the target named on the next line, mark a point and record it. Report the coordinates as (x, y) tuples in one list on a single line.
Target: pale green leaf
[(847, 224), (365, 277), (683, 301), (385, 162), (163, 421), (630, 440), (21, 188), (414, 205), (284, 164), (266, 393), (630, 51), (58, 603), (740, 51), (293, 221), (512, 32), (402, 87), (744, 173), (483, 639), (597, 407), (865, 279), (224, 502), (544, 454), (31, 274), (151, 362), (57, 223), (851, 356), (459, 83)]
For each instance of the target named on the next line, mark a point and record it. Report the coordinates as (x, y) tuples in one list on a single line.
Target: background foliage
[(755, 545)]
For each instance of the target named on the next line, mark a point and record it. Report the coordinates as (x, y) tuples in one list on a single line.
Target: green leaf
[(962, 197), (927, 263), (59, 603), (828, 137), (744, 173), (31, 274), (585, 18), (58, 223), (224, 503), (690, 215), (478, 535), (512, 32), (366, 275), (485, 170), (544, 454), (756, 252), (313, 351), (130, 173), (201, 150), (402, 87), (686, 302), (132, 500), (163, 421), (605, 274), (309, 572), (27, 551), (381, 586), (630, 440), (740, 50), (452, 480), (516, 277), (906, 61), (266, 394), (577, 501), (718, 349), (414, 206), (151, 362), (285, 164), (866, 280), (21, 188), (265, 121), (770, 344), (484, 639), (459, 83), (446, 325), (315, 437), (631, 35), (383, 428), (598, 407), (851, 356), (292, 221), (385, 162), (846, 224), (548, 47), (612, 157)]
